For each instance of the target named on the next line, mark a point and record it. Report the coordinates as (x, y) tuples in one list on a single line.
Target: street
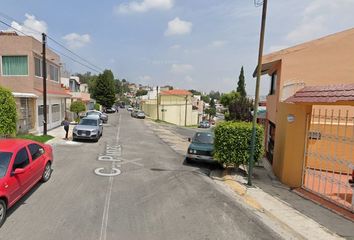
[(151, 194)]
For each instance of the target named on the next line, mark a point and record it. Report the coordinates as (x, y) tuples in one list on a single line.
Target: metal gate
[(329, 154)]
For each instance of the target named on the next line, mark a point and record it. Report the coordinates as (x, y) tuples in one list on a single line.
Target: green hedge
[(8, 113), (233, 140)]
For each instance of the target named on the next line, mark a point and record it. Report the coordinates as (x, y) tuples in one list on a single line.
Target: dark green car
[(201, 147)]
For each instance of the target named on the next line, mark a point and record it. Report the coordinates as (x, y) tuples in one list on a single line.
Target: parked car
[(140, 114), (89, 127), (130, 108), (134, 113), (110, 110), (201, 147), (23, 163), (204, 124), (102, 116)]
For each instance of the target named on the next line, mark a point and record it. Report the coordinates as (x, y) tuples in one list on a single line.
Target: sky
[(199, 44)]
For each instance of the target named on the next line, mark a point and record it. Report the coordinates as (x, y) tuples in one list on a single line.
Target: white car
[(130, 108)]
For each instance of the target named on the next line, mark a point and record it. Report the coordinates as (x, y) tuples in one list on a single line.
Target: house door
[(270, 141), (329, 154), (25, 116)]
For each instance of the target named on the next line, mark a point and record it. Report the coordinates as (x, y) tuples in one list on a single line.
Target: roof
[(11, 144), (323, 94), (176, 92), (272, 58)]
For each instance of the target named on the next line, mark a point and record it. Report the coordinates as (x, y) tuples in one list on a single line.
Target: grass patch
[(40, 138)]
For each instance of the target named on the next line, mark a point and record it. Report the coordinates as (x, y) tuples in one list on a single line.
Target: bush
[(8, 113), (97, 107), (233, 141)]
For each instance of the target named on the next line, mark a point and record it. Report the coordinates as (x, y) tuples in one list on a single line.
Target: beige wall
[(173, 110), (290, 143)]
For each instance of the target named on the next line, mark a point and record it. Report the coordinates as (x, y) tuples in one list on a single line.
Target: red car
[(23, 163)]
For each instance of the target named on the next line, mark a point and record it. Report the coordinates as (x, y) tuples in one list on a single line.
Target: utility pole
[(256, 101), (157, 103), (185, 112), (44, 73)]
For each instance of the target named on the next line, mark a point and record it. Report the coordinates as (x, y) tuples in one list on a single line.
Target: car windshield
[(88, 122), (206, 138), (4, 162)]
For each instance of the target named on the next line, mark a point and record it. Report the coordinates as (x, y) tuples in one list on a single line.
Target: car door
[(37, 161), (22, 160), (100, 126)]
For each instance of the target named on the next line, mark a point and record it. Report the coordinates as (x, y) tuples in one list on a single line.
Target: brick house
[(21, 72)]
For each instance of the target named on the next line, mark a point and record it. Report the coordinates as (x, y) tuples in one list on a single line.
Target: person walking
[(66, 124)]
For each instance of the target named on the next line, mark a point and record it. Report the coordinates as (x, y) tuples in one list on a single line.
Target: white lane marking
[(103, 234)]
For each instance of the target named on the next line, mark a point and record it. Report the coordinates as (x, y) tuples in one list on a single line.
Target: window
[(55, 112), (38, 67), (273, 84), (4, 162), (35, 150), (14, 66), (54, 72), (21, 160)]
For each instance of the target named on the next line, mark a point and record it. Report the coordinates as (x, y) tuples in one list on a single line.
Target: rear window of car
[(207, 138), (4, 162), (88, 122)]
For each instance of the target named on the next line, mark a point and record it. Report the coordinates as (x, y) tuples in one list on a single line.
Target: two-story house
[(21, 72), (310, 115)]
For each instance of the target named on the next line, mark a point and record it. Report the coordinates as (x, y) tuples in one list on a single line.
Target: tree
[(205, 98), (77, 107), (8, 113), (216, 95), (195, 92), (241, 84), (227, 98), (104, 89), (211, 111), (240, 109), (141, 92)]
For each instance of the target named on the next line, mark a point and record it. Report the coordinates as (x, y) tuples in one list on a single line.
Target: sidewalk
[(303, 218), (59, 136), (295, 217)]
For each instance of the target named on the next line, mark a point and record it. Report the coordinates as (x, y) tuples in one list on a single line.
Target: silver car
[(90, 128), (102, 116)]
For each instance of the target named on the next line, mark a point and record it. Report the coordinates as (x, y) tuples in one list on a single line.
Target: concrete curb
[(289, 219)]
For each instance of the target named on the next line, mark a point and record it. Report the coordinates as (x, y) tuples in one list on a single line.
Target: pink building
[(21, 72)]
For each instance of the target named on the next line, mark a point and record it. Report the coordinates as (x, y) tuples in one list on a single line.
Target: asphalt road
[(153, 195)]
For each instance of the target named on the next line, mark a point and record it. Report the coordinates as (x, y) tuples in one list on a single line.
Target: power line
[(58, 43), (52, 39), (72, 59)]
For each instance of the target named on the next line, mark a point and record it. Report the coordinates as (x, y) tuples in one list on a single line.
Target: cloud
[(218, 43), (317, 19), (275, 48), (181, 68), (74, 40), (188, 79), (31, 26), (178, 27), (176, 46), (144, 78), (144, 6)]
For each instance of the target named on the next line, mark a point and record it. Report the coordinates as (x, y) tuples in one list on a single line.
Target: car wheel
[(47, 173), (3, 210), (188, 160)]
